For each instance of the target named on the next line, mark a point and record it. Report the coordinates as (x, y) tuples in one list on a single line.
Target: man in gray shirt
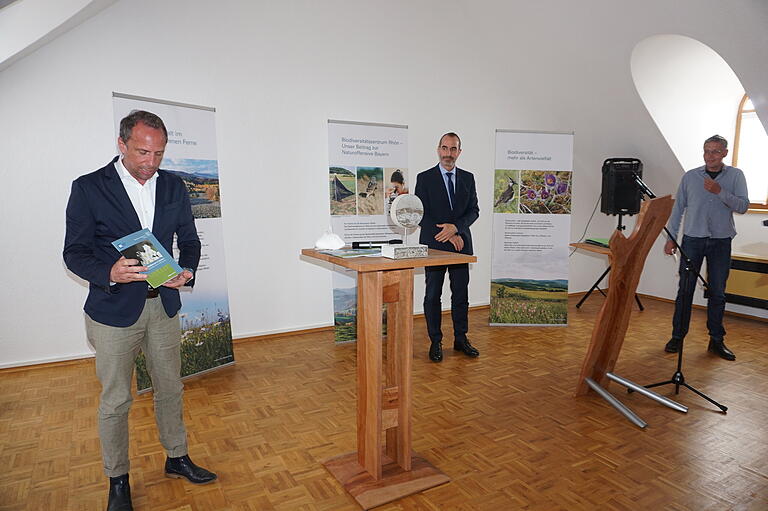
[(707, 196)]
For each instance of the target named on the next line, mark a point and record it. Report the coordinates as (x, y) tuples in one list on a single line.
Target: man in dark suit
[(450, 207), (123, 314)]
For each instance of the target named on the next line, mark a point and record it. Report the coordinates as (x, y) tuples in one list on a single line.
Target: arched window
[(750, 153)]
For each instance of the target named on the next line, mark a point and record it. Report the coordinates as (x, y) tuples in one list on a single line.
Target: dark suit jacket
[(100, 212), (430, 188)]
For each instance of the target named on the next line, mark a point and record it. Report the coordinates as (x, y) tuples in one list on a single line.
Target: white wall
[(276, 71)]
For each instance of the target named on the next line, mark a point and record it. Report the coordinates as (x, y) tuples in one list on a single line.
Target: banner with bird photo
[(532, 191), (367, 170), (206, 333)]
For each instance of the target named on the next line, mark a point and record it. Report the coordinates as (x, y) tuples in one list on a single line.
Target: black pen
[(373, 244)]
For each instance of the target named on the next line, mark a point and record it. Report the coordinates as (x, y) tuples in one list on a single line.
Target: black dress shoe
[(183, 467), (720, 349), (466, 348), (673, 346), (119, 494), (436, 351)]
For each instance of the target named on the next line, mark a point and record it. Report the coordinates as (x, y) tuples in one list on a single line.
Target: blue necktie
[(451, 193)]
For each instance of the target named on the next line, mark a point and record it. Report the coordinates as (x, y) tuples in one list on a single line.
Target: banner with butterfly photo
[(532, 192)]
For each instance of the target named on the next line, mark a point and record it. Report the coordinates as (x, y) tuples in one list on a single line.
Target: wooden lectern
[(627, 258), (378, 473)]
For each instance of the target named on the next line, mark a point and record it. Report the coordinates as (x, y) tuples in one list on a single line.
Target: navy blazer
[(100, 212), (430, 188)]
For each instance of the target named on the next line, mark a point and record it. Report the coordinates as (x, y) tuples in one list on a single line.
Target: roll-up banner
[(206, 339), (532, 193), (367, 170)]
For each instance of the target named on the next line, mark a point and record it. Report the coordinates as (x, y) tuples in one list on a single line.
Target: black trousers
[(459, 277)]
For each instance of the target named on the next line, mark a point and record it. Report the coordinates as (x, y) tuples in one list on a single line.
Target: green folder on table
[(600, 242)]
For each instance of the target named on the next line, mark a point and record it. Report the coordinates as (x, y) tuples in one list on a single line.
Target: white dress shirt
[(142, 196)]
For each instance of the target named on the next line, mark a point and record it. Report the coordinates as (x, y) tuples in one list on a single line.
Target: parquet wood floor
[(505, 427)]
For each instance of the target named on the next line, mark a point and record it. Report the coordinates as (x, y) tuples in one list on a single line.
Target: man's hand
[(124, 271), (711, 185), (457, 242), (179, 280), (669, 247), (448, 230)]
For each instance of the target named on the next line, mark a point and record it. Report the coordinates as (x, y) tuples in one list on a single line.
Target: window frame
[(736, 139)]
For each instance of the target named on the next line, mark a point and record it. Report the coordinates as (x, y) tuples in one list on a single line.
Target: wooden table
[(597, 249), (376, 473)]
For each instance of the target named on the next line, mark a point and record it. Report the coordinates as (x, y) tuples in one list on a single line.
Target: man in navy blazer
[(123, 314), (450, 207)]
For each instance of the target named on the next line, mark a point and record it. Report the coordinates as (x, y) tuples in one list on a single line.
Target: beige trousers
[(159, 337)]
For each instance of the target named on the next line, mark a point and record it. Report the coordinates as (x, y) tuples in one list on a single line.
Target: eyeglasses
[(715, 152)]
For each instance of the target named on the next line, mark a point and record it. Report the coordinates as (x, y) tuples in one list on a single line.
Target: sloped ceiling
[(26, 25)]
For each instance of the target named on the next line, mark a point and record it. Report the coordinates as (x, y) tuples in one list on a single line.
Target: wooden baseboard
[(44, 365), (329, 328), (695, 305)]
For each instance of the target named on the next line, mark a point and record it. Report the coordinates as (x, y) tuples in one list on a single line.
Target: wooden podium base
[(395, 482)]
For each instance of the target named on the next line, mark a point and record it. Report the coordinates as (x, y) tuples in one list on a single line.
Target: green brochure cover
[(143, 246)]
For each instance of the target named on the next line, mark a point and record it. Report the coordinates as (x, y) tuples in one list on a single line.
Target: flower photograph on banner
[(545, 191), (342, 190), (506, 191)]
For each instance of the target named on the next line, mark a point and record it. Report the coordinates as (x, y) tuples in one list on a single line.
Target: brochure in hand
[(143, 246)]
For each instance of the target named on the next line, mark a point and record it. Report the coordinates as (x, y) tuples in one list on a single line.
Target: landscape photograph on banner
[(342, 187), (344, 305), (545, 191), (397, 184), (506, 191), (529, 301), (202, 180), (370, 191), (206, 342)]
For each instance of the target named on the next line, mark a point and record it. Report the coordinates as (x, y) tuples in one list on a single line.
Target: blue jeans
[(717, 251)]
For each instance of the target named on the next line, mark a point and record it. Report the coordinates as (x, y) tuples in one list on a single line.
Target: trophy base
[(404, 251)]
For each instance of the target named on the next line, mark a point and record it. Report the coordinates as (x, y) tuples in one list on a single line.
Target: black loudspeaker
[(621, 194)]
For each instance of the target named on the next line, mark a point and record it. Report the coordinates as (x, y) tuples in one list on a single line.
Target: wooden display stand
[(627, 258), (378, 473)]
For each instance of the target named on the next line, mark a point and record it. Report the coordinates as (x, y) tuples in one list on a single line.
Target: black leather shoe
[(466, 348), (436, 351), (183, 467), (119, 494), (673, 346), (720, 349)]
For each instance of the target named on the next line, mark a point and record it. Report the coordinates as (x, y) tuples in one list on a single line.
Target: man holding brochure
[(123, 313)]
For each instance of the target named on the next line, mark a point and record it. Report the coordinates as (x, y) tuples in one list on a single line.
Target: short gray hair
[(449, 134), (718, 139), (140, 117)]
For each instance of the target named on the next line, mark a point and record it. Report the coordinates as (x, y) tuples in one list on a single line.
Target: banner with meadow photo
[(367, 170), (532, 193), (206, 332)]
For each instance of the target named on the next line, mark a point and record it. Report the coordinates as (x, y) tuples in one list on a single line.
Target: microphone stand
[(678, 379)]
